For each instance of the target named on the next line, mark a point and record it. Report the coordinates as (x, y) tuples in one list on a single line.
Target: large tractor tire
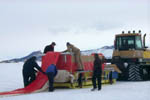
[(134, 73), (146, 73), (124, 75)]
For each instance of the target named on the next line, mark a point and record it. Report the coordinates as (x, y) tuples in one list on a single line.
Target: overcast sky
[(30, 25)]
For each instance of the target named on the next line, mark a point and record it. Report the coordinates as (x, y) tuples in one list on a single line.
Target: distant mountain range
[(106, 51), (38, 54)]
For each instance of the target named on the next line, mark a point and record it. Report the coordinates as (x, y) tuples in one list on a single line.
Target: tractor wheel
[(146, 73), (124, 75), (134, 73)]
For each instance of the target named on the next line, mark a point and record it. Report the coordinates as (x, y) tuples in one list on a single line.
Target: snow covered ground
[(11, 78)]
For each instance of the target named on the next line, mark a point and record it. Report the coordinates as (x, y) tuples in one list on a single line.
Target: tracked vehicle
[(131, 56)]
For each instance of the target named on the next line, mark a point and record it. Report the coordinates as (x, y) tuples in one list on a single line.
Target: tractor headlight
[(140, 60), (125, 64)]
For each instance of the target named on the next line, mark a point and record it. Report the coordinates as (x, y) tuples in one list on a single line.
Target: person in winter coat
[(72, 49), (51, 72), (97, 71), (29, 73), (49, 47)]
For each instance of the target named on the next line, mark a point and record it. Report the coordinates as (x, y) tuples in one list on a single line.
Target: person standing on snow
[(49, 47), (97, 71), (29, 71), (76, 52), (51, 73)]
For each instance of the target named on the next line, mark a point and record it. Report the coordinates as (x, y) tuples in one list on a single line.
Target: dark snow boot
[(93, 89)]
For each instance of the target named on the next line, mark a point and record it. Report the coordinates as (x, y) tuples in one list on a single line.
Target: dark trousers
[(28, 78), (98, 78), (80, 77), (80, 80), (110, 78), (50, 76)]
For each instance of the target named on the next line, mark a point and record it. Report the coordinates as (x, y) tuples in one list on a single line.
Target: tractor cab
[(128, 42)]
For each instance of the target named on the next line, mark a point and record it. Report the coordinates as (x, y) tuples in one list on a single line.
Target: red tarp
[(41, 79), (63, 62)]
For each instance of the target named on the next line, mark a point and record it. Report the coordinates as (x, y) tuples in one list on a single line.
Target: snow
[(11, 78)]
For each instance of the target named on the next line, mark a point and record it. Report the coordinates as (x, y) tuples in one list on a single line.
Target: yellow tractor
[(131, 56)]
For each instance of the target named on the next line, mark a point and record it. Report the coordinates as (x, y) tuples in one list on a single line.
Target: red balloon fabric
[(62, 62), (41, 79)]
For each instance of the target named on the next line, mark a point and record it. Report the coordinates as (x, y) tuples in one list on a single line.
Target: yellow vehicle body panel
[(87, 82), (146, 54)]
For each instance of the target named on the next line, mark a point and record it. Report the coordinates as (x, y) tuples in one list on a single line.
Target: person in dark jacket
[(29, 73), (97, 71), (49, 47), (51, 73)]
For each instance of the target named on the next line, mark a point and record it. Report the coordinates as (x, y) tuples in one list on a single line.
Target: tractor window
[(125, 43), (138, 42), (118, 43), (128, 42)]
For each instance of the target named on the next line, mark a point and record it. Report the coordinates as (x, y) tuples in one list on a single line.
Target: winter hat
[(53, 43), (67, 43)]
